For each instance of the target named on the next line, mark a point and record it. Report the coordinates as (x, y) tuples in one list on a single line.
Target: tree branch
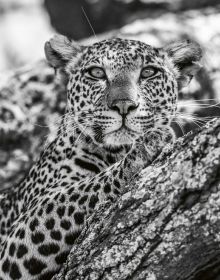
[(164, 226)]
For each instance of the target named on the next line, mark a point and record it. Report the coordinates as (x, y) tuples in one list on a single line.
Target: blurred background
[(31, 99), (26, 24)]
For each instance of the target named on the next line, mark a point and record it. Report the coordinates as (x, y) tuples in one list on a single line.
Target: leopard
[(121, 98)]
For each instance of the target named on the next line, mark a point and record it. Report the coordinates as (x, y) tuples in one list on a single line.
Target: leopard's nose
[(123, 106)]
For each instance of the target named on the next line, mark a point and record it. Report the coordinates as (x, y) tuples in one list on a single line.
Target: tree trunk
[(165, 225)]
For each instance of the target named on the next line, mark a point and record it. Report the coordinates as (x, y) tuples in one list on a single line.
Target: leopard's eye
[(96, 72), (148, 72)]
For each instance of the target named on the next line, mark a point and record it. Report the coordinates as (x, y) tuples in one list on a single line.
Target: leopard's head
[(119, 89)]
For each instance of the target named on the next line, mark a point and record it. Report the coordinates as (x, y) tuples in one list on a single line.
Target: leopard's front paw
[(148, 146)]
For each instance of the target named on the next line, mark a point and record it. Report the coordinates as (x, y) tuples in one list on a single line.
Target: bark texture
[(166, 225)]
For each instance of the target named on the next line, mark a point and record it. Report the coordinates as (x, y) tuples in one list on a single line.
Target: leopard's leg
[(43, 236)]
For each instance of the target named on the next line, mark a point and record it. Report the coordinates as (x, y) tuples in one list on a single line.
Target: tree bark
[(166, 223)]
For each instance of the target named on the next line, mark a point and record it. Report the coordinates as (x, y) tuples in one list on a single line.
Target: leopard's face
[(120, 89)]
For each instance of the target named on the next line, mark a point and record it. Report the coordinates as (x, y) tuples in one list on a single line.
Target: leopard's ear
[(186, 57), (60, 49)]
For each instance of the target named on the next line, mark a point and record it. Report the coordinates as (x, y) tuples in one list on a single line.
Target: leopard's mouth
[(121, 136), (123, 129)]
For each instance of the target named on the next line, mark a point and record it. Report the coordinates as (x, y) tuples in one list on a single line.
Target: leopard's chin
[(120, 138)]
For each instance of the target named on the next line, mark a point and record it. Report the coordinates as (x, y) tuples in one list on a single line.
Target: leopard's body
[(122, 97)]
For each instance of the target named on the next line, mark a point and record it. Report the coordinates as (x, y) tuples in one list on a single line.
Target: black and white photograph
[(109, 140)]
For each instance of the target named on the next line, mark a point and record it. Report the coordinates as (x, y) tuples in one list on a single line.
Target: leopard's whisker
[(70, 123), (59, 119), (82, 131), (196, 103), (189, 117), (197, 121)]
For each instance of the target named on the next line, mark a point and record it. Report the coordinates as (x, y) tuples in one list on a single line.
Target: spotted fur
[(113, 127)]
